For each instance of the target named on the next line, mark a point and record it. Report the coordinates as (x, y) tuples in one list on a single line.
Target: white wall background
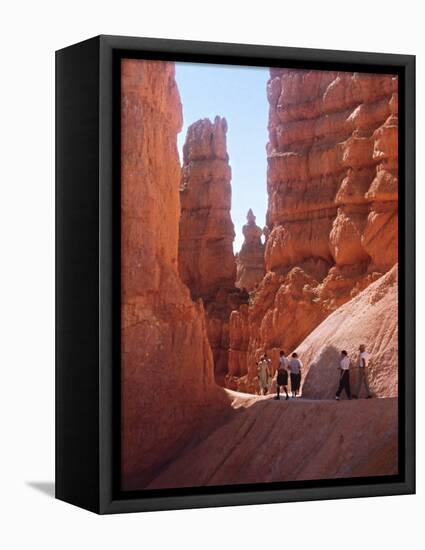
[(30, 31)]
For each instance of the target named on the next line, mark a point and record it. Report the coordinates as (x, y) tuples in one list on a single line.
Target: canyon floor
[(265, 440)]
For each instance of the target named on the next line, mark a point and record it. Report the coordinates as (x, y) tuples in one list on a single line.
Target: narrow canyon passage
[(319, 277), (331, 221)]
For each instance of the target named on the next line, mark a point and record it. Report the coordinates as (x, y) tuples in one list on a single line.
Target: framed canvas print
[(235, 274)]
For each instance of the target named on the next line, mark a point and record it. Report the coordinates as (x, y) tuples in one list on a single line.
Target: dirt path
[(268, 440)]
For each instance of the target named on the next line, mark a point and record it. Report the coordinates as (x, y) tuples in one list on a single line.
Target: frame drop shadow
[(46, 487)]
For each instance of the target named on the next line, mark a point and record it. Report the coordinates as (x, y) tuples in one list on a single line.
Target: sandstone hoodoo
[(206, 260), (164, 402), (250, 259), (332, 184)]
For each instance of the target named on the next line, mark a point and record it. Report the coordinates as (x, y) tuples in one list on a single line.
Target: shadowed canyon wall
[(206, 260), (168, 387), (332, 214)]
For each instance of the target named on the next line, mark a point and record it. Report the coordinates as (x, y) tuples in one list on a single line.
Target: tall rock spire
[(206, 260), (250, 260)]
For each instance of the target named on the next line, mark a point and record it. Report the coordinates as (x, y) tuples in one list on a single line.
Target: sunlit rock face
[(331, 225), (370, 319), (332, 169), (250, 259), (168, 388), (206, 260)]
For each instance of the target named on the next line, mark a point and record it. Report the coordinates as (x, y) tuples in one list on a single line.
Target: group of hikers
[(287, 367), (292, 368)]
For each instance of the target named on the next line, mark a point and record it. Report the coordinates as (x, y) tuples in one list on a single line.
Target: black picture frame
[(88, 272)]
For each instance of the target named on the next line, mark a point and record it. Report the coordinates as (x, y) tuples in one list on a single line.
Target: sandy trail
[(240, 399), (267, 440)]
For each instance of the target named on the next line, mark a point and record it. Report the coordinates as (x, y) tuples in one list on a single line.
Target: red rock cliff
[(206, 260), (167, 369), (332, 213)]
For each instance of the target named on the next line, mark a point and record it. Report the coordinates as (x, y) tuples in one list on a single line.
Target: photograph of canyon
[(259, 214)]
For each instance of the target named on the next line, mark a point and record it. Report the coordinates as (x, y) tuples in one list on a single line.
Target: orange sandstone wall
[(167, 368), (332, 169), (333, 202)]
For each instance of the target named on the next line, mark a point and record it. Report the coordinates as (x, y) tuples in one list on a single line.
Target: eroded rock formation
[(206, 260), (250, 259), (168, 389), (332, 165), (332, 213)]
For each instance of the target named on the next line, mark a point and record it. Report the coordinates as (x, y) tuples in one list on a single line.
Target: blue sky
[(238, 94)]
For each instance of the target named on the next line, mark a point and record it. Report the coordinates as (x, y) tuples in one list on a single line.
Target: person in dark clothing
[(295, 366), (282, 375), (344, 381)]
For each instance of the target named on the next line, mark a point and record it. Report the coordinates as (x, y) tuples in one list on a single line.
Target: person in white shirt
[(363, 363), (282, 375), (344, 380), (295, 366)]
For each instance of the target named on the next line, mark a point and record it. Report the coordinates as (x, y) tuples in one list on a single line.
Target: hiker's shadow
[(322, 379)]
